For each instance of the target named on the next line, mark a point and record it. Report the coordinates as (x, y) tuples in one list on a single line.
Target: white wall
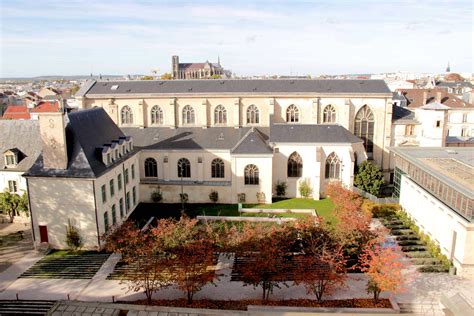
[(6, 176), (440, 222)]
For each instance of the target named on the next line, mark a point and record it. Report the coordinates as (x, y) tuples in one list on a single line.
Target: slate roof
[(403, 115), (254, 142), (306, 133), (454, 84), (231, 87), (22, 136), (86, 132), (194, 138)]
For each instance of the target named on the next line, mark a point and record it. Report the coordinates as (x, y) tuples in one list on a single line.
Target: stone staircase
[(25, 307), (70, 266), (425, 309)]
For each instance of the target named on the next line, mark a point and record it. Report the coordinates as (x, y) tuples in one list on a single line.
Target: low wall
[(311, 212), (244, 219)]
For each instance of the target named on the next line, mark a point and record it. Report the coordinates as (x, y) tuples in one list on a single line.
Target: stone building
[(204, 120), (204, 70), (87, 175)]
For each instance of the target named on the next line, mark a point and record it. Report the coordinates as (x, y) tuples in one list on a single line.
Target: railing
[(373, 198)]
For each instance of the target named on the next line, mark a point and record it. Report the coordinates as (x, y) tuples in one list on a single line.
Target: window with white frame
[(253, 115), (220, 115), (292, 114), (333, 167), (126, 115), (188, 115), (12, 186), (156, 115)]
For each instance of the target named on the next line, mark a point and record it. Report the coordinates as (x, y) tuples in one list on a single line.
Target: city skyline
[(251, 38)]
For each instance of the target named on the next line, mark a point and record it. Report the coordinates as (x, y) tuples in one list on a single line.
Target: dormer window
[(11, 159)]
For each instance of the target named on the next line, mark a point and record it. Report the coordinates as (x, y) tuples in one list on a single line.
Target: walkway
[(424, 292)]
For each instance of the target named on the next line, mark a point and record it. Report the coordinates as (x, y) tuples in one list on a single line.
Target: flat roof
[(451, 165)]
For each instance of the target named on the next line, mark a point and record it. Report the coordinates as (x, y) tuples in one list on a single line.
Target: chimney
[(425, 97), (53, 139), (438, 96)]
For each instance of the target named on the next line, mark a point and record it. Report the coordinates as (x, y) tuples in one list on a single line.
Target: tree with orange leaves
[(384, 266), (321, 267)]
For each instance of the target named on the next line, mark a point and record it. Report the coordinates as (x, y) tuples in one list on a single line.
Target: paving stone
[(142, 313), (100, 310), (57, 313), (80, 309), (86, 314), (71, 308), (152, 313), (66, 313), (108, 311), (90, 310), (163, 314), (61, 307), (132, 313)]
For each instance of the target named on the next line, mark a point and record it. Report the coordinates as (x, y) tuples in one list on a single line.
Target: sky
[(46, 37)]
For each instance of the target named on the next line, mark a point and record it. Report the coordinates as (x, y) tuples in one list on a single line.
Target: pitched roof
[(254, 142), (231, 87), (17, 112), (452, 84), (194, 138), (415, 98), (46, 106), (403, 115), (86, 132), (307, 133), (23, 137), (434, 106)]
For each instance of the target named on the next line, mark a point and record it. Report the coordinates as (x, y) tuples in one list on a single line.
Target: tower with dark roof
[(448, 68)]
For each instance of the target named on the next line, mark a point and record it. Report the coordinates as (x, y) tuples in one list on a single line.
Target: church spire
[(448, 69), (218, 60)]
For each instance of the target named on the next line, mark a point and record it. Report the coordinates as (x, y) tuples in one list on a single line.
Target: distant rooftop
[(451, 165)]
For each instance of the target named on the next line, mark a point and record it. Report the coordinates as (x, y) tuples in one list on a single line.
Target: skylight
[(114, 87)]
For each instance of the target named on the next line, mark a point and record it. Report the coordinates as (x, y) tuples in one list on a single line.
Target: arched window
[(292, 114), (156, 115), (220, 115), (253, 115), (251, 174), (333, 167), (127, 115), (295, 165), (217, 168), (364, 128), (188, 115), (184, 168), (151, 168), (329, 114)]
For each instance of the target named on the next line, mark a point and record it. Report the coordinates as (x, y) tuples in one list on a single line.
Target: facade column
[(141, 113), (237, 113), (206, 122), (174, 104)]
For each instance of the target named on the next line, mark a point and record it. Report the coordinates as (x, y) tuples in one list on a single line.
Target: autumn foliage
[(384, 267)]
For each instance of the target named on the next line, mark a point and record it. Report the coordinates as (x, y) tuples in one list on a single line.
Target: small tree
[(280, 188), (166, 76), (263, 248), (147, 78), (145, 256), (13, 204), (73, 237), (214, 196), (384, 268), (305, 189), (369, 178), (321, 268)]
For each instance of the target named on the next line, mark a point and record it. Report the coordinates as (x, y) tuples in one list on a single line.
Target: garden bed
[(243, 304)]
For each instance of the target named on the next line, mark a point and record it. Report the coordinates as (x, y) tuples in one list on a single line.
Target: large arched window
[(188, 115), (220, 115), (126, 115), (253, 115), (329, 114), (333, 167), (364, 128), (295, 165), (292, 114), (217, 168), (151, 168), (156, 115), (251, 174), (184, 168)]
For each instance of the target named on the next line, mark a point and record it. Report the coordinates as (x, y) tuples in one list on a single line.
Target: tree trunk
[(190, 297), (376, 296), (11, 213)]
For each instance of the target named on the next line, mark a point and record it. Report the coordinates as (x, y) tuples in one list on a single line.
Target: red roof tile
[(46, 106), (415, 98), (17, 112)]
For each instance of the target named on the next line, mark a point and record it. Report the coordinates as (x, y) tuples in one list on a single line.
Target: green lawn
[(323, 208)]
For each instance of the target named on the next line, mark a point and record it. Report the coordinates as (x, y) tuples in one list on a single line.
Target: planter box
[(244, 219)]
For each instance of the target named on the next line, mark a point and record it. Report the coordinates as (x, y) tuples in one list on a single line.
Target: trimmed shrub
[(156, 195), (214, 196), (280, 188), (369, 178), (184, 198)]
